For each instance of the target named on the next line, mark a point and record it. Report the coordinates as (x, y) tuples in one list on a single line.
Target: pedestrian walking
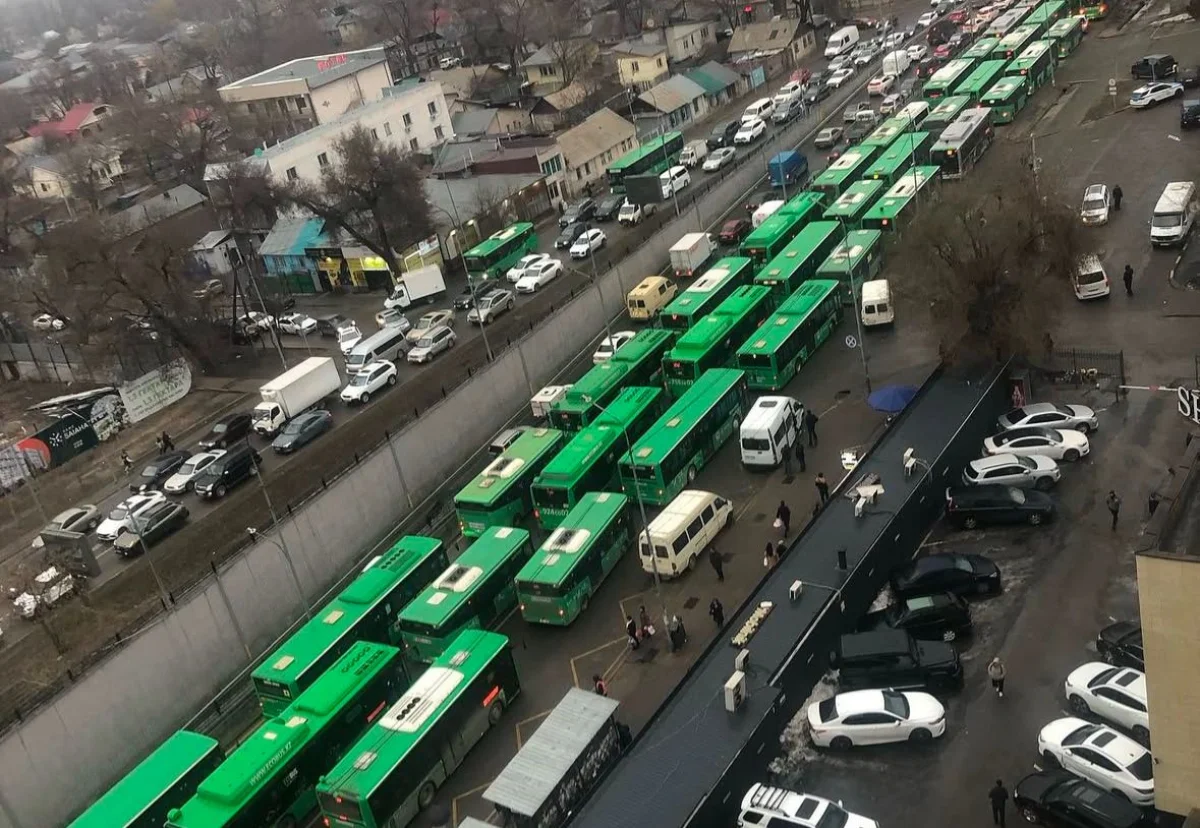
[(770, 556), (810, 425), (996, 673), (632, 631), (800, 453), (1127, 277), (783, 515), (1018, 396), (126, 461), (599, 686), (168, 443), (1114, 505), (1117, 196), (717, 612), (644, 621), (822, 487), (999, 798), (714, 558), (158, 445)]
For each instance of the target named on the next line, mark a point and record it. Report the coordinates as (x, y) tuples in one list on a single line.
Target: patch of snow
[(798, 750)]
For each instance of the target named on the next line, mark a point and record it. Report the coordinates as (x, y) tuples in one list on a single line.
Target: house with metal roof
[(669, 105), (720, 83), (787, 38), (589, 148), (641, 65), (558, 63)]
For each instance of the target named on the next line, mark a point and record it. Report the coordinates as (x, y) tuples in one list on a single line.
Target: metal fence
[(1104, 370)]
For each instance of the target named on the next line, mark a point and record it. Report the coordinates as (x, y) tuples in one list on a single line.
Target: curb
[(1175, 266)]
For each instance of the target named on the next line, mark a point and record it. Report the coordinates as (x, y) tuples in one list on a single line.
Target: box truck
[(896, 63), (691, 253), (422, 284), (787, 168), (295, 390)]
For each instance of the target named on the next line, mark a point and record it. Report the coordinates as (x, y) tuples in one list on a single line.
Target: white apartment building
[(312, 90)]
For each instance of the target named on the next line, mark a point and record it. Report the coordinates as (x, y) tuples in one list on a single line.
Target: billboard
[(155, 390)]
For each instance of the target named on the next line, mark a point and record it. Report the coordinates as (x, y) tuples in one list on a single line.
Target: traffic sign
[(851, 342), (1112, 87)]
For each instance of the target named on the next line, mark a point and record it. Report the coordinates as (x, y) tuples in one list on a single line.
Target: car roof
[(379, 363), (858, 701), (1095, 188), (1111, 743), (994, 460)]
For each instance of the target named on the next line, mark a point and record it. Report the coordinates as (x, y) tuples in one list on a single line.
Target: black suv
[(1120, 644), (227, 431), (971, 506), (581, 210), (1189, 113), (466, 300), (938, 617), (946, 572), (1062, 800), (570, 233), (722, 134), (239, 463), (608, 207), (328, 325), (158, 470), (150, 527), (893, 658), (1154, 67)]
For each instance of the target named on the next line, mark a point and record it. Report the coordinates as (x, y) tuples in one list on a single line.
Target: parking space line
[(454, 801), (593, 651), (621, 603), (518, 725)]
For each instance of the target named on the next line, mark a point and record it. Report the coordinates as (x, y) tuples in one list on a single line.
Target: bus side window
[(707, 514), (694, 528), (680, 543)]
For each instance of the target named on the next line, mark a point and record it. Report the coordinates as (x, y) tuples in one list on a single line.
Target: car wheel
[(691, 474), (1035, 519), (495, 712), (1030, 815), (1070, 455), (219, 491), (1044, 484), (840, 743), (1083, 428), (1051, 760), (1108, 658), (366, 398), (1141, 735), (425, 795), (949, 635), (920, 735), (1078, 704), (969, 522)]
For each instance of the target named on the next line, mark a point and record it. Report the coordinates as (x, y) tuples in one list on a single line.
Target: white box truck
[(422, 284), (896, 63), (295, 390), (691, 253)]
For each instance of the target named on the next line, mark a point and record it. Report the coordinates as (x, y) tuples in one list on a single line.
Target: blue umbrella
[(892, 399)]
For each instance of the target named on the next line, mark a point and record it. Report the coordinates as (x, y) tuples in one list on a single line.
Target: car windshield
[(1089, 277), (348, 334), (189, 467), (1027, 463), (1080, 735), (834, 817), (1143, 768), (220, 428), (827, 709), (150, 471), (895, 703), (361, 378), (1016, 415), (425, 342), (1166, 220), (1093, 204)]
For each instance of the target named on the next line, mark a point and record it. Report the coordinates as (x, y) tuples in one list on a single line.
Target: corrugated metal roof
[(211, 239), (289, 237), (473, 122), (532, 775), (721, 73), (603, 130), (672, 93)]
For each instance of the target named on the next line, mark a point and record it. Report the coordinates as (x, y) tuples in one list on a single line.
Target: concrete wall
[(121, 710)]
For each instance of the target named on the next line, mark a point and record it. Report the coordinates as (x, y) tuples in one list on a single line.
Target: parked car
[(970, 506), (227, 430), (432, 342), (1051, 415), (82, 519), (302, 430), (182, 480), (1096, 202), (1154, 93), (608, 207), (158, 470), (850, 113), (962, 575), (778, 808), (1115, 694), (1120, 643), (875, 717), (570, 233), (470, 295), (329, 324), (429, 321), (632, 214), (880, 84), (718, 158), (211, 288), (46, 322), (121, 516), (1190, 77), (263, 321), (891, 103), (490, 306), (505, 439), (917, 52), (240, 463), (515, 272), (539, 275), (840, 76), (610, 345), (893, 40), (733, 231), (893, 658), (1154, 67), (348, 337), (393, 318), (297, 324), (588, 242), (940, 616), (817, 92), (942, 50), (864, 54), (1033, 472), (149, 527), (1099, 754), (1051, 442), (751, 130), (1060, 799), (372, 377), (858, 131), (722, 134), (580, 211), (927, 19)]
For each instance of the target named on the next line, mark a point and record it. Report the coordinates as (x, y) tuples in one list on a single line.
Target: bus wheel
[(495, 712), (691, 474), (288, 821), (425, 795)]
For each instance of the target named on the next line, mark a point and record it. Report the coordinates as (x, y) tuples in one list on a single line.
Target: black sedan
[(466, 299), (1121, 644), (608, 208), (227, 431), (302, 430), (938, 617), (570, 233), (817, 92), (1062, 800), (948, 572), (158, 470), (150, 527), (971, 506)]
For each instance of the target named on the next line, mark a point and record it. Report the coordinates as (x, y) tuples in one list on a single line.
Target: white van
[(674, 180), (916, 112), (693, 154), (540, 402), (896, 63), (1173, 214), (771, 428), (877, 308), (762, 109), (765, 211), (841, 41), (682, 531), (390, 343)]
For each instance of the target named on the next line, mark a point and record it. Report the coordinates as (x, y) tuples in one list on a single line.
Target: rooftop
[(159, 208), (637, 48), (672, 93), (766, 37), (601, 131), (69, 123), (713, 77), (316, 71), (457, 200)]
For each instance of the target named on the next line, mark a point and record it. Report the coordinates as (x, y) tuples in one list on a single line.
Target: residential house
[(641, 65), (779, 44), (49, 177), (544, 69), (284, 254), (684, 40), (720, 83), (468, 210), (215, 254), (80, 121), (475, 122), (670, 105), (556, 110), (467, 83), (591, 147), (526, 155), (186, 84), (174, 205)]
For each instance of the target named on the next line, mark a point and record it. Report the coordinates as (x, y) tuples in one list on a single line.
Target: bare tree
[(57, 89), (559, 22), (181, 134)]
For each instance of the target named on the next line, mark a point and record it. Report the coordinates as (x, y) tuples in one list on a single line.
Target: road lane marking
[(593, 651), (517, 727), (454, 801)]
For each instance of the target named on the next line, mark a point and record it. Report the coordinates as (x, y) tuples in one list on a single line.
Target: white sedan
[(1115, 694), (298, 324), (1050, 442), (122, 515), (891, 104), (718, 158), (539, 274), (182, 480), (429, 321), (840, 76), (880, 84), (917, 52), (367, 380), (750, 130), (589, 242), (263, 321), (927, 19), (1094, 209), (1051, 415), (522, 266), (1153, 93), (893, 40), (46, 322), (610, 345), (875, 717), (1101, 755)]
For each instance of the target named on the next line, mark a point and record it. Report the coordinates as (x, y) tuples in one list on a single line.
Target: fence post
[(1121, 362)]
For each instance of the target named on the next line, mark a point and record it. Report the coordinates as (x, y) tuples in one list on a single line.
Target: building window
[(439, 133), (704, 32), (587, 168), (553, 189), (323, 160), (407, 120), (291, 174), (387, 127), (375, 133), (413, 144), (660, 63), (45, 187), (578, 174), (552, 165), (301, 103), (547, 71), (633, 66), (282, 106), (432, 109), (250, 107)]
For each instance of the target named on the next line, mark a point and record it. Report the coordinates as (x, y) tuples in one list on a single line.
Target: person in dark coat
[(1113, 502), (1117, 196), (999, 798), (168, 443), (717, 611), (810, 425), (822, 487), (1127, 278), (784, 515), (800, 453), (714, 558)]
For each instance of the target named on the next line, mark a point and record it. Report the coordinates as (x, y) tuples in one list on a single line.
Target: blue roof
[(290, 237)]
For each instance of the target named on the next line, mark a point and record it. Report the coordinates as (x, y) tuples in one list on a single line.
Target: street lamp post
[(255, 535), (666, 157), (855, 301), (487, 346)]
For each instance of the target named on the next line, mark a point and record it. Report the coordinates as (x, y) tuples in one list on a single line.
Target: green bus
[(589, 462), (848, 210), (910, 149), (799, 260), (368, 609), (789, 338), (395, 769), (565, 572), (770, 237), (981, 49), (897, 205), (1047, 14), (668, 456), (1006, 98), (981, 80), (1003, 25), (806, 205), (651, 158), (945, 79), (944, 113), (858, 259), (844, 171), (1066, 35), (1035, 65), (713, 341), (499, 495), (1015, 42), (271, 778), (637, 362), (886, 133), (162, 782), (492, 257), (1090, 9), (964, 142), (474, 592), (704, 294)]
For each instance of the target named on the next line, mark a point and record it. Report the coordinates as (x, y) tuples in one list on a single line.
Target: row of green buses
[(790, 336), (637, 362), (857, 259), (910, 149), (1066, 35), (705, 293), (848, 210), (769, 238), (492, 257), (651, 158), (712, 342), (980, 79), (798, 262), (499, 495)]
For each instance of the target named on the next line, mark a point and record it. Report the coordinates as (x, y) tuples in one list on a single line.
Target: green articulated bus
[(1015, 42), (588, 463), (499, 495), (164, 781), (271, 778), (368, 609), (858, 259), (767, 240), (1035, 65), (492, 257), (944, 113), (789, 338), (980, 50), (981, 80), (943, 81), (638, 362), (396, 768), (909, 150), (850, 206), (670, 455), (713, 341), (565, 572), (651, 158), (704, 294), (1006, 98), (1047, 14), (807, 205), (799, 260), (474, 592), (1066, 35), (964, 142), (844, 171), (896, 207)]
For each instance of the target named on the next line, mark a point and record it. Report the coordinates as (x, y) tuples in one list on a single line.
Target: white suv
[(781, 808), (1033, 472)]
